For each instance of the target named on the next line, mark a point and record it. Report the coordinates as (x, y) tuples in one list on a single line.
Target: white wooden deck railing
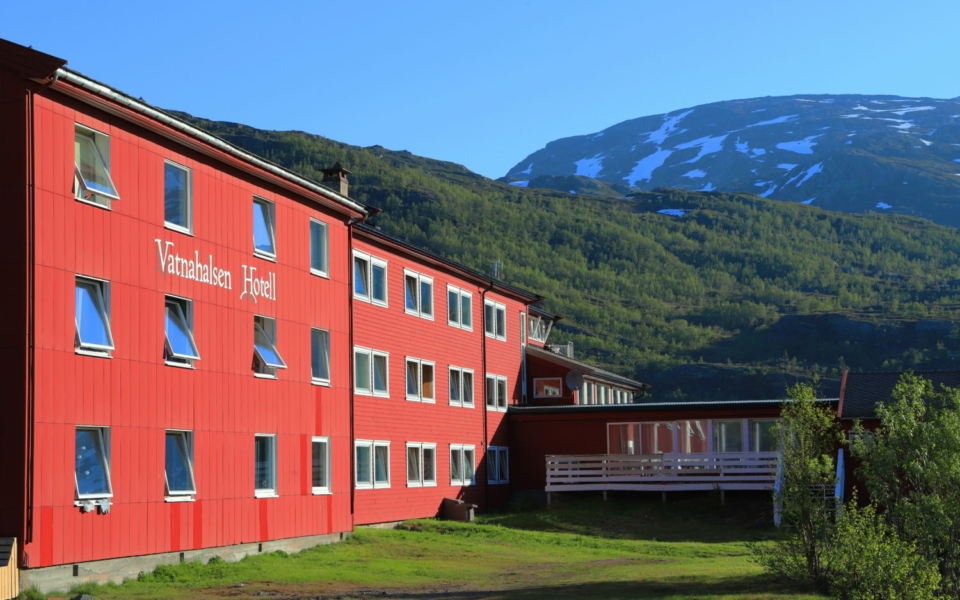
[(661, 472)]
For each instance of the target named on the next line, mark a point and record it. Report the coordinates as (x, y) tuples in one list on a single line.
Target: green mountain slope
[(764, 290)]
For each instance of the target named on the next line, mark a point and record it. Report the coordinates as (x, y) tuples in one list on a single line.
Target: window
[(266, 359), (370, 372), (320, 465), (498, 464), (372, 464), (91, 155), (92, 464), (265, 467), (589, 393), (763, 437), (495, 320), (462, 465), (319, 248), (263, 229), (369, 279), (461, 387), (177, 197), (539, 328), (420, 380), (421, 464), (92, 316), (417, 294), (547, 387), (459, 308), (320, 356), (178, 470), (603, 394), (728, 436), (179, 348), (496, 392)]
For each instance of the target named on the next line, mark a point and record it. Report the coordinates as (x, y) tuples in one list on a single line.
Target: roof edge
[(156, 114)]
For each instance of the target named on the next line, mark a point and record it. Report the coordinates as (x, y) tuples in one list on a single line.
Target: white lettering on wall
[(193, 268), (256, 287)]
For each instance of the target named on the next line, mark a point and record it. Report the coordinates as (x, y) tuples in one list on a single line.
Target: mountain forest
[(705, 295)]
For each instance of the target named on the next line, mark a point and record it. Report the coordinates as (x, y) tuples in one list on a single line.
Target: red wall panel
[(136, 395)]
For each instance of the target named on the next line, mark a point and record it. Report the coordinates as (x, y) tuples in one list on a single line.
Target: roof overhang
[(587, 369)]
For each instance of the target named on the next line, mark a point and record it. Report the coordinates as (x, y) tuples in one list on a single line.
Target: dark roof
[(655, 406), (374, 232), (545, 313), (860, 393), (587, 368), (27, 61)]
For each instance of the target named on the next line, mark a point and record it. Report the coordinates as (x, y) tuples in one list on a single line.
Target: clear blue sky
[(485, 83)]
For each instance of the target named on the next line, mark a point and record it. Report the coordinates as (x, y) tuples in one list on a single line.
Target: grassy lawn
[(630, 547)]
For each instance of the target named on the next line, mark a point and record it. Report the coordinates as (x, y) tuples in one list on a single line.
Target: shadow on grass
[(754, 588), (685, 517)]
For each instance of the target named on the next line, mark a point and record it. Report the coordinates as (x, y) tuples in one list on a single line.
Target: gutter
[(158, 115)]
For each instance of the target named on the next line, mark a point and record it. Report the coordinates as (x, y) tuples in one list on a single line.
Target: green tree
[(867, 560), (808, 435), (911, 468)]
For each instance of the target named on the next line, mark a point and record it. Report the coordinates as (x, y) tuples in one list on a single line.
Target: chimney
[(336, 179)]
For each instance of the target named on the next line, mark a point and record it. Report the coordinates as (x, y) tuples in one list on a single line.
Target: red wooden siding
[(139, 397), (397, 420), (534, 436)]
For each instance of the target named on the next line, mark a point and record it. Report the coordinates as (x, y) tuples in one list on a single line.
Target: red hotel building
[(249, 366)]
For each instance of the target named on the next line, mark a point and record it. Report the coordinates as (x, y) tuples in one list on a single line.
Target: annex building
[(213, 356)]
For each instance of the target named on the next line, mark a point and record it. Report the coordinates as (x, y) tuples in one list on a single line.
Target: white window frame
[(101, 300), (539, 328), (372, 355), (559, 386), (187, 199), (267, 492), (186, 437), (101, 146), (421, 279), (325, 335), (419, 396), (372, 261), (266, 326), (325, 271), (270, 215), (497, 453), (371, 446), (321, 489), (499, 403), (461, 295), (458, 373), (103, 438), (421, 480), (491, 326), (182, 315), (458, 455)]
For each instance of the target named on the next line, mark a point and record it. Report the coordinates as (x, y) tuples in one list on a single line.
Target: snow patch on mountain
[(769, 190), (707, 145), (786, 166), (883, 205), (526, 171), (669, 126), (775, 121), (673, 212), (695, 174), (810, 201), (643, 170), (817, 168), (519, 183), (589, 167), (804, 146), (707, 188)]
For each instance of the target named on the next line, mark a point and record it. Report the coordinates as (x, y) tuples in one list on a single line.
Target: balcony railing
[(661, 472)]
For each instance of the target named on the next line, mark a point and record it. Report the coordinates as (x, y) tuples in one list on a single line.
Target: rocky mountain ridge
[(851, 153)]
